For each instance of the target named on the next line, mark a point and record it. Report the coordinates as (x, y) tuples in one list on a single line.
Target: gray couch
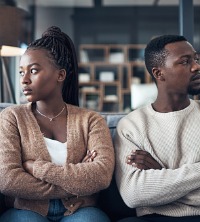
[(110, 200)]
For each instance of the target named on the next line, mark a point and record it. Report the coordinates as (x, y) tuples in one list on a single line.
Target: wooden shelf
[(119, 64)]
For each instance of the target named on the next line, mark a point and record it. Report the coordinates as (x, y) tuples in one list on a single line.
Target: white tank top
[(57, 151)]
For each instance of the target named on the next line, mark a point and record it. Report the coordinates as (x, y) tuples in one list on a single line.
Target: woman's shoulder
[(80, 110), (83, 114), (16, 109)]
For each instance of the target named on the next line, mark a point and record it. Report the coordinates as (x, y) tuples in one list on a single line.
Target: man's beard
[(194, 86), (193, 92)]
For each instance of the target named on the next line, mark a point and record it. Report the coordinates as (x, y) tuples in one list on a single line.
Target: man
[(167, 134)]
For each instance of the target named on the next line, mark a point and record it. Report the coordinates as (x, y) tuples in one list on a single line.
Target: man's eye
[(197, 60), (33, 71), (185, 62)]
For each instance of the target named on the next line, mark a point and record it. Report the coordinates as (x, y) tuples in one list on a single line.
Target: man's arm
[(143, 187), (142, 160)]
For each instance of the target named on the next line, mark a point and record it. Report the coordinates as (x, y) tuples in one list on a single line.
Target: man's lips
[(195, 77)]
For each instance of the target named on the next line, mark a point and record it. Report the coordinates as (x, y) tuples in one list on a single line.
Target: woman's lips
[(27, 91)]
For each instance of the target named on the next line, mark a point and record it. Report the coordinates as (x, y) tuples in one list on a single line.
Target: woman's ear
[(158, 75), (61, 75)]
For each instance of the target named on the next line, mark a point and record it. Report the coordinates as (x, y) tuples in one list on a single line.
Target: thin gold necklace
[(51, 118)]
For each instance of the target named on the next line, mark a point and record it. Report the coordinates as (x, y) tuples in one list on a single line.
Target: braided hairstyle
[(155, 52), (62, 53)]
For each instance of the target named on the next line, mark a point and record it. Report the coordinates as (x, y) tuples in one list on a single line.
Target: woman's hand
[(142, 160), (90, 156), (28, 166)]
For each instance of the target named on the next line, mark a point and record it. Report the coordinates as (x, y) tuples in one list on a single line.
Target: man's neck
[(170, 104)]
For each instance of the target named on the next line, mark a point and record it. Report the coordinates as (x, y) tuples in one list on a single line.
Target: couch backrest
[(4, 105), (112, 120)]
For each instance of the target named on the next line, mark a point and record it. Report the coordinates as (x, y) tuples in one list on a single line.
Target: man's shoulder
[(140, 112), (196, 102), (137, 117)]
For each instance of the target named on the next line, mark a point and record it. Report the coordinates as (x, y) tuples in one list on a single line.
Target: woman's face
[(39, 76)]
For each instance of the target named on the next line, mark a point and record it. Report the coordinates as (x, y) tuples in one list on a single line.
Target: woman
[(55, 157)]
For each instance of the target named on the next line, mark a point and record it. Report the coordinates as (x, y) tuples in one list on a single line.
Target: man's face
[(181, 68), (194, 86)]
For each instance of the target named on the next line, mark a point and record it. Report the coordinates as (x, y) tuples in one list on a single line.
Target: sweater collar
[(174, 113)]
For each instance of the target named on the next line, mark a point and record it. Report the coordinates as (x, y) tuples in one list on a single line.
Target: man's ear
[(61, 75), (158, 75)]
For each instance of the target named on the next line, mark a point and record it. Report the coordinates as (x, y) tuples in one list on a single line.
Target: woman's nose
[(25, 79)]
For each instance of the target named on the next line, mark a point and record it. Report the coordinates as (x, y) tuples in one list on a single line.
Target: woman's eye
[(21, 73), (33, 71)]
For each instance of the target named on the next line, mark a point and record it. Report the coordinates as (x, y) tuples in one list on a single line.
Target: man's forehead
[(181, 48)]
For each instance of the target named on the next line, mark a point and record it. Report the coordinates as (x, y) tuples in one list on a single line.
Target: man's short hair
[(155, 52)]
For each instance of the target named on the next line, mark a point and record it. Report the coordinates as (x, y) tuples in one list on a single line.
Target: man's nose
[(195, 66)]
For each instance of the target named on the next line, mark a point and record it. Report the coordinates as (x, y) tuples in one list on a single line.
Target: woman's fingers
[(90, 156)]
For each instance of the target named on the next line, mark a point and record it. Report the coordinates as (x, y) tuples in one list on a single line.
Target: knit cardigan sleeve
[(82, 178), (143, 188), (15, 181)]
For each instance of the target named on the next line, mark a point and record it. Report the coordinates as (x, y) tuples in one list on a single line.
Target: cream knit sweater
[(75, 183), (173, 139)]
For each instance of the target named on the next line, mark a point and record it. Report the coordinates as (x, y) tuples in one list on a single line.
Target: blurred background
[(109, 37)]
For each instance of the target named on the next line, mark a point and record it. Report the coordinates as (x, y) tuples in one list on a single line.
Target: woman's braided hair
[(62, 53)]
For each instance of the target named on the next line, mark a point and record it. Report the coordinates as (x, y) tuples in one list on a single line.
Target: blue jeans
[(56, 214)]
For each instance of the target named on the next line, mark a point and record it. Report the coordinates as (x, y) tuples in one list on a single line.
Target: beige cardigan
[(75, 183)]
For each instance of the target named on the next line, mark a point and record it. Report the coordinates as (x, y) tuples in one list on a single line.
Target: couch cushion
[(110, 200)]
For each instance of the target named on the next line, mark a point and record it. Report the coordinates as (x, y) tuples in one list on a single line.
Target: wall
[(46, 17), (128, 25), (121, 25)]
